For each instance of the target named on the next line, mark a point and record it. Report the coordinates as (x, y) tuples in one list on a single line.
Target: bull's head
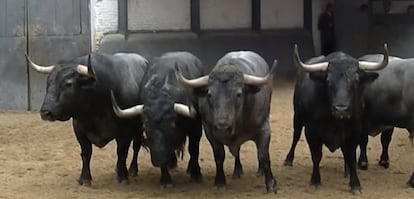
[(344, 77), (68, 84), (159, 117), (222, 95)]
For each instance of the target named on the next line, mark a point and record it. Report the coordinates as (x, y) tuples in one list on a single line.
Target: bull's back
[(390, 97), (249, 62)]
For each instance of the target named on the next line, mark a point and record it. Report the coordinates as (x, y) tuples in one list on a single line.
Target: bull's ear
[(368, 77), (318, 76)]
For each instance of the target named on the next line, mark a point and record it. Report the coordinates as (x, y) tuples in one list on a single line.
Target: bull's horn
[(192, 83), (185, 110), (372, 66), (254, 80), (309, 67), (39, 68), (84, 70), (130, 112)]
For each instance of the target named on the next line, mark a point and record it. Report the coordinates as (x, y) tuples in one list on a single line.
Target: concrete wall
[(352, 27), (317, 8), (158, 15), (225, 14), (210, 46), (281, 14)]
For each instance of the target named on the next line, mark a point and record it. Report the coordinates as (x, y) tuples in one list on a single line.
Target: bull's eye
[(68, 84), (209, 97)]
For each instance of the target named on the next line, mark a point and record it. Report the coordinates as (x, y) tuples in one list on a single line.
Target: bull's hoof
[(384, 163), (271, 186), (362, 165), (316, 185), (288, 162), (411, 183), (167, 185), (197, 178), (85, 182), (220, 187), (238, 173), (123, 181), (356, 190), (133, 172)]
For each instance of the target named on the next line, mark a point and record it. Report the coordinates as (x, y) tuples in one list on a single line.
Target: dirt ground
[(41, 160)]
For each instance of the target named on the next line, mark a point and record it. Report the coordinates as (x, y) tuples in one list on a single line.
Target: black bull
[(388, 103), (80, 89), (328, 102), (234, 104), (166, 117)]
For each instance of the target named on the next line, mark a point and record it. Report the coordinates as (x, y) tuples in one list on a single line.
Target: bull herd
[(340, 100)]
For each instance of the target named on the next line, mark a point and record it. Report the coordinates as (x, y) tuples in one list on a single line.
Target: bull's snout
[(46, 115), (342, 111), (223, 126), (159, 160)]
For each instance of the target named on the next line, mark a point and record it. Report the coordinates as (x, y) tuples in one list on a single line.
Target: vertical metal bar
[(195, 15), (26, 21), (256, 15), (123, 17)]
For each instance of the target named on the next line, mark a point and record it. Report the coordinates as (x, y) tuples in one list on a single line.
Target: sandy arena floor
[(41, 160)]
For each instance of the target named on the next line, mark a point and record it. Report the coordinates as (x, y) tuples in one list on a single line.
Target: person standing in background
[(327, 30)]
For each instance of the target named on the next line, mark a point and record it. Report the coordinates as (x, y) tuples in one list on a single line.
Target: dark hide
[(166, 131), (87, 101), (234, 112), (330, 106)]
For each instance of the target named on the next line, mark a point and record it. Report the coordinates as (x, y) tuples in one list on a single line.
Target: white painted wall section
[(104, 19), (225, 14), (279, 14), (159, 15)]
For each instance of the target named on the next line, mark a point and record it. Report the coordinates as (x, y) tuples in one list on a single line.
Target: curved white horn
[(309, 67), (39, 68), (372, 66), (130, 112), (192, 83), (254, 80), (185, 110), (83, 70)]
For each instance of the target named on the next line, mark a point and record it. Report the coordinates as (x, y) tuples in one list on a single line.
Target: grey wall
[(359, 33), (209, 47)]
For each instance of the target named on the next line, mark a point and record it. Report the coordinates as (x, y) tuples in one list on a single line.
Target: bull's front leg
[(315, 146), (262, 145), (86, 154), (194, 149), (122, 153), (133, 168), (349, 151), (411, 181), (386, 137), (165, 181), (363, 160), (238, 168)]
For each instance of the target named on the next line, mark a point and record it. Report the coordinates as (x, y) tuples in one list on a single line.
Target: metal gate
[(48, 30)]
